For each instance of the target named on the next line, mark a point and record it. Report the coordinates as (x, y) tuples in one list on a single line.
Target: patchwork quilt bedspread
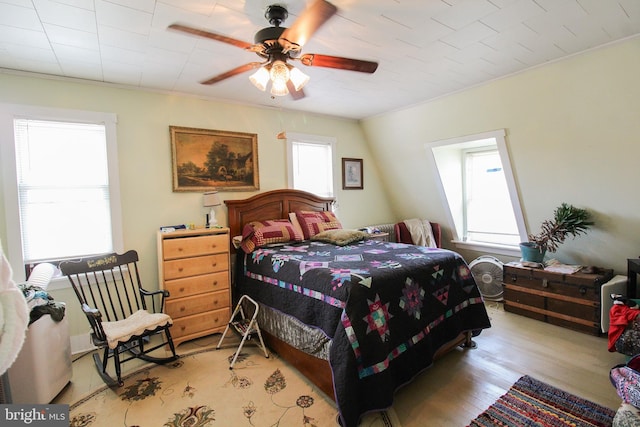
[(387, 307)]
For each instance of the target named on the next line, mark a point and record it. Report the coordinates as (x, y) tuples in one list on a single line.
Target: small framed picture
[(352, 174)]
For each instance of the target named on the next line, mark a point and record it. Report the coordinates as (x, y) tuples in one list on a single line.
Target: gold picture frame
[(204, 159), (352, 175)]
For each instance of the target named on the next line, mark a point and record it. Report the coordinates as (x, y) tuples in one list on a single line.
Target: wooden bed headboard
[(275, 204)]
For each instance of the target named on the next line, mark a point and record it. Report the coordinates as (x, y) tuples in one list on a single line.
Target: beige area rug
[(200, 390)]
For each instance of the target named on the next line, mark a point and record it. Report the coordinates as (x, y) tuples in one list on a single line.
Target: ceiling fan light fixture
[(298, 78), (279, 72), (260, 78), (279, 88)]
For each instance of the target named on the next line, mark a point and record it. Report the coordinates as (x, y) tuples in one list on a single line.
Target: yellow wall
[(573, 133), (148, 201)]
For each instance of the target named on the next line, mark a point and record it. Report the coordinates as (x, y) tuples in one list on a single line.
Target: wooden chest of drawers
[(194, 267), (568, 300)]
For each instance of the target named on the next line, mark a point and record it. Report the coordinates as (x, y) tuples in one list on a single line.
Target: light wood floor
[(464, 383)]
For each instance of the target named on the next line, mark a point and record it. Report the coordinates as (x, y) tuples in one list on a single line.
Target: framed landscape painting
[(204, 159)]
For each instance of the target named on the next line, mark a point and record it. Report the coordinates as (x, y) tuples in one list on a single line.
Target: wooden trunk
[(568, 300)]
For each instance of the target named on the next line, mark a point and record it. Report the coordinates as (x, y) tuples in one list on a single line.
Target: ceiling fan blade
[(328, 61), (210, 35), (312, 18), (238, 70), (295, 94)]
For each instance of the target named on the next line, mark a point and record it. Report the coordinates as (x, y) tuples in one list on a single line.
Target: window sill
[(507, 250)]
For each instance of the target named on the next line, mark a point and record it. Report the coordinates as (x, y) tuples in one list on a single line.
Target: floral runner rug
[(200, 390)]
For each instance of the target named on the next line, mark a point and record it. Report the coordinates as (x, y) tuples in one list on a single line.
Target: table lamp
[(211, 200)]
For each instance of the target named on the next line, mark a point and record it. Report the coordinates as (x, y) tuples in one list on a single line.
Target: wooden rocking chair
[(116, 306)]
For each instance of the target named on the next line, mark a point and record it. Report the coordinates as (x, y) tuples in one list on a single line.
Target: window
[(310, 163), (478, 187), (61, 187)]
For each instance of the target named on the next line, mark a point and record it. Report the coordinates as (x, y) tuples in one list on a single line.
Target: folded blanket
[(421, 232)]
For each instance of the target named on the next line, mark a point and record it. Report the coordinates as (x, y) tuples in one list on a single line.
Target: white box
[(43, 366), (617, 285)]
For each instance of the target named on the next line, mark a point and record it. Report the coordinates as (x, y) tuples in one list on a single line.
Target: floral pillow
[(313, 222), (260, 233)]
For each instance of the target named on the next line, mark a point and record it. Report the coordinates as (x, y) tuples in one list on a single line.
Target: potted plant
[(567, 221)]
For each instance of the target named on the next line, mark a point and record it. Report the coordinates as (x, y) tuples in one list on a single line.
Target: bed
[(359, 320)]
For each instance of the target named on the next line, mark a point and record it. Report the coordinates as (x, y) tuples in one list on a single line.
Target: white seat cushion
[(136, 324)]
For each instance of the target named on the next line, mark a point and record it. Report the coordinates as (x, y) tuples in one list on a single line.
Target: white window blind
[(489, 214), (312, 167), (63, 189)]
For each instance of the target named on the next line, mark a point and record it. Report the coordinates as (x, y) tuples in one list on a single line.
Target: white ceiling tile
[(16, 35), (22, 52), (63, 15), (470, 53), (82, 4), (112, 56), (82, 70), (429, 32), (631, 9), (114, 37), (71, 37), (464, 13), (470, 34), (142, 5), (512, 14), (76, 54), (20, 3), (19, 16), (414, 14), (122, 73), (38, 65), (510, 36), (124, 18), (166, 14), (200, 7)]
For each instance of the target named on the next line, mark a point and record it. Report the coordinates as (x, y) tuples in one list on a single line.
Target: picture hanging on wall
[(204, 159), (352, 178)]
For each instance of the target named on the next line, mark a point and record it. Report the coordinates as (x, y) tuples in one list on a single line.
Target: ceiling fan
[(277, 45)]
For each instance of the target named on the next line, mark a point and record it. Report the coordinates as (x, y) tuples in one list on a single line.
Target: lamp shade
[(260, 78), (298, 78), (211, 198)]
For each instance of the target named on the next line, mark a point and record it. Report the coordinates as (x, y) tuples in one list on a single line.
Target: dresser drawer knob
[(215, 283), (180, 269), (182, 308), (583, 290), (182, 328), (181, 290), (514, 278), (545, 283)]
